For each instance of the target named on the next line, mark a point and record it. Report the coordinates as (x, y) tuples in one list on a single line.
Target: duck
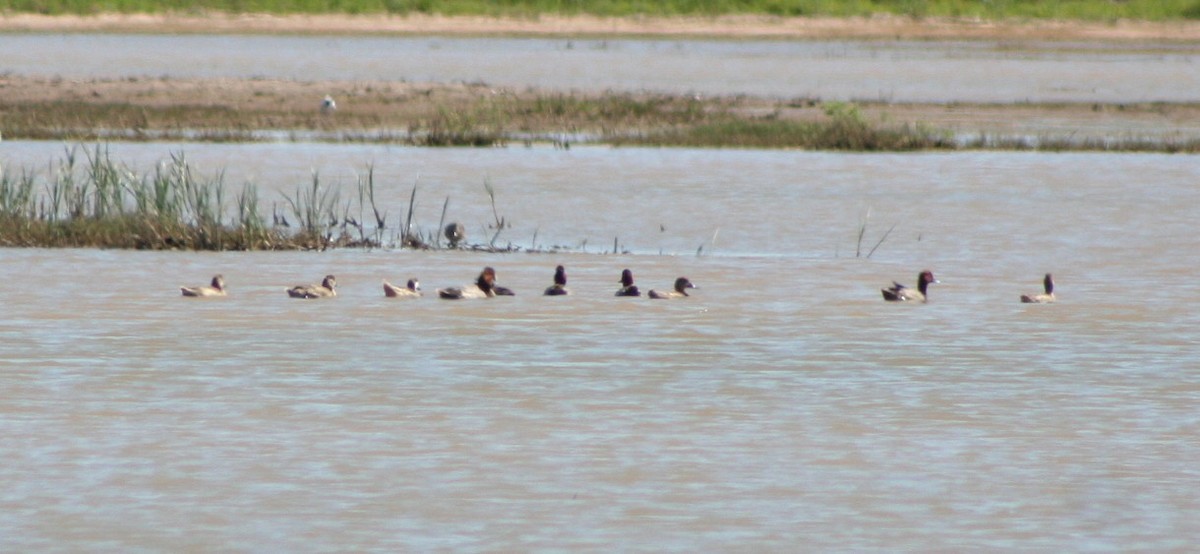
[(901, 293), (559, 288), (681, 286), (217, 288), (323, 290), (627, 286), (484, 287), (411, 290), (1044, 298)]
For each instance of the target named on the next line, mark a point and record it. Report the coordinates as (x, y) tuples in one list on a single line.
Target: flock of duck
[(485, 287)]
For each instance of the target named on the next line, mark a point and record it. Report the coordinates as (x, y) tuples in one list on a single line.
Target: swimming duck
[(681, 286), (412, 290), (217, 288), (901, 293), (627, 286), (483, 288), (323, 290), (559, 287), (1045, 298)]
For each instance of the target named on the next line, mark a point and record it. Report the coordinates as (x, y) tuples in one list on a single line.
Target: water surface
[(784, 403), (899, 71)]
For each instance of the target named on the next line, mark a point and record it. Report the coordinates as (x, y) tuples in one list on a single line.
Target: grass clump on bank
[(92, 201), (1091, 10), (844, 129)]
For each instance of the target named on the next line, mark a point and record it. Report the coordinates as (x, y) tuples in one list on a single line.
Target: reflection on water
[(784, 403), (923, 71)]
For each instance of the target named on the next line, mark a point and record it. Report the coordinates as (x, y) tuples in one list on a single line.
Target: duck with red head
[(216, 288), (627, 286), (901, 293), (1044, 298), (484, 287), (681, 286), (411, 290), (323, 290), (559, 288)]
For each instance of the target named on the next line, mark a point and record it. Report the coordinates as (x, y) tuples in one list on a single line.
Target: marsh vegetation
[(482, 116), (87, 199)]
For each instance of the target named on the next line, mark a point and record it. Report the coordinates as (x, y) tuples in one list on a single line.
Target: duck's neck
[(1049, 285)]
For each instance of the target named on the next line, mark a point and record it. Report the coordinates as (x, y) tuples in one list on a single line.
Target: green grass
[(1092, 10), (89, 200), (844, 129)]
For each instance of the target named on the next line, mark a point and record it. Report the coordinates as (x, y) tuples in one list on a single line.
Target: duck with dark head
[(559, 288), (1046, 297), (681, 286), (901, 293), (627, 286), (484, 287)]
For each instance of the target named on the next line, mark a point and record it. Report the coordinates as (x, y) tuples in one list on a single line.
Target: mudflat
[(231, 104)]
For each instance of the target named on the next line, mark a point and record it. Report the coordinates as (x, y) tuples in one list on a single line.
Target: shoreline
[(230, 109), (719, 27)]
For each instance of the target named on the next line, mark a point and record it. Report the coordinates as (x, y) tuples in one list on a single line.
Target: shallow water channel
[(894, 71)]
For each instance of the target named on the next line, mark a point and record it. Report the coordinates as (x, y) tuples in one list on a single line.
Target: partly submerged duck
[(412, 290), (681, 286), (484, 287), (901, 293), (323, 290), (627, 286), (559, 288), (1044, 298), (217, 288)]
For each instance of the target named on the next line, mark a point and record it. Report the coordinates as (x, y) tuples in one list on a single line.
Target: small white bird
[(328, 105)]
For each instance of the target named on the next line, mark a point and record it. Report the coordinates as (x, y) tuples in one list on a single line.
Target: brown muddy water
[(900, 71), (783, 406)]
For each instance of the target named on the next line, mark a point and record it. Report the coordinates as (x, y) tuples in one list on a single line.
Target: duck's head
[(682, 283), (1048, 283), (560, 276), (329, 282), (626, 278), (924, 280), (486, 280), (414, 285), (218, 282)]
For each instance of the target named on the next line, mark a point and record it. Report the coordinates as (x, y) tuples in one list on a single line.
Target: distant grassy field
[(1086, 10)]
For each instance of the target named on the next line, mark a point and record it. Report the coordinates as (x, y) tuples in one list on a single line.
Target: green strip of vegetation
[(1090, 10), (93, 201), (844, 129)]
